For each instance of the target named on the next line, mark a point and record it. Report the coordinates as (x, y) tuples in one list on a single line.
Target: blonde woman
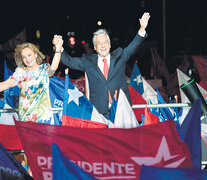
[(32, 78)]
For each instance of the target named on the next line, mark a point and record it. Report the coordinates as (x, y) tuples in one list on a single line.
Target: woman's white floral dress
[(34, 100)]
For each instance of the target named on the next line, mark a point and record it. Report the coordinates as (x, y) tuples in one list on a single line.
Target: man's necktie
[(105, 72)]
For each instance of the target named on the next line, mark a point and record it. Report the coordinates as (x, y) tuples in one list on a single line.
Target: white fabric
[(149, 93), (125, 117), (7, 118)]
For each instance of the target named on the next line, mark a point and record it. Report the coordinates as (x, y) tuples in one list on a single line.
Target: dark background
[(186, 24)]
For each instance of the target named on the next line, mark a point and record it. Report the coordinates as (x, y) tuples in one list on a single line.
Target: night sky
[(186, 27), (186, 22)]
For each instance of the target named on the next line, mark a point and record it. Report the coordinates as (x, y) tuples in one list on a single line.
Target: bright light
[(99, 23), (38, 34), (83, 42), (72, 41)]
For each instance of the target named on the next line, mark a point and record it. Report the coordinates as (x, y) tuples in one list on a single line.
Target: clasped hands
[(58, 42)]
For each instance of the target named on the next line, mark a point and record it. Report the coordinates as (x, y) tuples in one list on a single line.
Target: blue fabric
[(112, 113), (190, 132), (156, 112), (64, 169), (136, 80), (81, 108), (165, 112), (11, 92), (10, 166), (57, 87), (1, 104), (157, 173)]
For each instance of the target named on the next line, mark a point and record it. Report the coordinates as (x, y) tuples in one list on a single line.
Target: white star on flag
[(74, 95), (138, 79), (163, 153)]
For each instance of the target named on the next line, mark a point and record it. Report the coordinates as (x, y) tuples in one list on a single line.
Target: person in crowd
[(106, 70), (32, 78)]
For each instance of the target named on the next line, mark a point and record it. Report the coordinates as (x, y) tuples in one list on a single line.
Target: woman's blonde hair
[(18, 56)]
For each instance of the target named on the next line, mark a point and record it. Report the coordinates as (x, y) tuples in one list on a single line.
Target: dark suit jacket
[(116, 78)]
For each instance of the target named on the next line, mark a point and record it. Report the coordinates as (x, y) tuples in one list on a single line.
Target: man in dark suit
[(103, 84)]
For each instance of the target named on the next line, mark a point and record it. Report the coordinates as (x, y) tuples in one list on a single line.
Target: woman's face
[(29, 58)]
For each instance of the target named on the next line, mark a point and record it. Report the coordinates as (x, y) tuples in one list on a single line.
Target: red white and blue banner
[(109, 153)]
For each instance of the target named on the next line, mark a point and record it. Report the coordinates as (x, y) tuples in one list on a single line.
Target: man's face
[(103, 45)]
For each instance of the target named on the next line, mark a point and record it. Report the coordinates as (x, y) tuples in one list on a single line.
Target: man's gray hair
[(100, 31)]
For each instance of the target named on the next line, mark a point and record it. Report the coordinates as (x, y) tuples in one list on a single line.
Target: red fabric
[(105, 153), (106, 68), (203, 85), (150, 118), (79, 83), (137, 98), (201, 65), (81, 123), (9, 137), (106, 72), (47, 59)]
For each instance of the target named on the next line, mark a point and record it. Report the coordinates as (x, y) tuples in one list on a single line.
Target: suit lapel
[(111, 67), (95, 63)]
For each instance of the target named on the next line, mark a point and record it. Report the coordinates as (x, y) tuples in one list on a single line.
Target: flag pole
[(135, 106), (138, 106), (164, 30)]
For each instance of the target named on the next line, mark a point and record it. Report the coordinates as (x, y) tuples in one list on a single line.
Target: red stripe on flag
[(80, 123), (137, 98)]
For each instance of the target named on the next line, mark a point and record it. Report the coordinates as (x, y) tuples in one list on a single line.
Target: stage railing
[(137, 106)]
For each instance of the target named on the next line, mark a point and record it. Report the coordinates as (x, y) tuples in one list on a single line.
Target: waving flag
[(136, 91), (10, 167), (56, 90), (136, 98), (182, 78), (107, 153), (11, 94), (165, 112), (160, 173), (63, 168), (150, 118), (150, 94), (201, 65), (125, 117), (112, 113), (8, 134), (136, 80), (190, 133), (78, 110)]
